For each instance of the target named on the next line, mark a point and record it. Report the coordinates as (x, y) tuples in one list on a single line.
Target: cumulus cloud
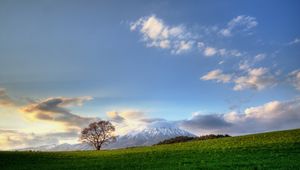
[(156, 33), (253, 78), (218, 76), (5, 100), (56, 110), (237, 24), (294, 78), (256, 78), (274, 115), (210, 51)]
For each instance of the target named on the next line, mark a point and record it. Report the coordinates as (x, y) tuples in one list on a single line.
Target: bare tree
[(98, 133)]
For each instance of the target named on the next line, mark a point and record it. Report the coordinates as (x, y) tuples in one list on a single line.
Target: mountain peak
[(147, 136)]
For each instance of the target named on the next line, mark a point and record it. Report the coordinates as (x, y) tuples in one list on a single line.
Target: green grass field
[(274, 150)]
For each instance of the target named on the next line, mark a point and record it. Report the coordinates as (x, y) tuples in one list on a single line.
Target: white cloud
[(221, 62), (226, 32), (225, 52), (164, 44), (209, 51), (295, 41), (244, 65), (157, 34), (294, 78), (259, 57), (217, 75), (253, 78), (250, 62), (274, 115), (128, 120), (257, 78), (183, 46), (237, 24), (201, 45)]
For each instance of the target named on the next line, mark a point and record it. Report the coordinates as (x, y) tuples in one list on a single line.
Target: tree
[(98, 133)]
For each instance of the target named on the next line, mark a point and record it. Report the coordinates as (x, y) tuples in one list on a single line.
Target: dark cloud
[(55, 109), (115, 117), (5, 100), (199, 121), (151, 120)]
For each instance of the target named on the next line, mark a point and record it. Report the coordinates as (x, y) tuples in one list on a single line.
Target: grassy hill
[(274, 150)]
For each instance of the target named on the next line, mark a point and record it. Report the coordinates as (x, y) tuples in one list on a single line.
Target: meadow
[(273, 150)]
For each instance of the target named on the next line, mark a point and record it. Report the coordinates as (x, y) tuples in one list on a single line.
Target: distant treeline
[(179, 139)]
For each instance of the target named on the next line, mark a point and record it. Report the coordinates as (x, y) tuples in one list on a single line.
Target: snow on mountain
[(145, 137)]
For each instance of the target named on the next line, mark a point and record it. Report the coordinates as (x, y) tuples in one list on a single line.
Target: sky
[(203, 66)]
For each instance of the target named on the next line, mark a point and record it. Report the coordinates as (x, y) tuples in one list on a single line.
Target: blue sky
[(105, 50)]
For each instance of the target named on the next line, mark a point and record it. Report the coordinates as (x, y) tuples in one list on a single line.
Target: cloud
[(253, 78), (115, 117), (295, 41), (12, 139), (294, 78), (238, 24), (225, 52), (257, 79), (217, 75), (152, 120), (5, 100), (156, 33), (183, 46), (274, 115), (244, 65), (210, 51), (259, 57), (127, 120), (251, 61), (56, 110), (133, 120), (199, 121)]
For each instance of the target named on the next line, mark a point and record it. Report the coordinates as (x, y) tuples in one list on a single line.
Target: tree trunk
[(98, 148)]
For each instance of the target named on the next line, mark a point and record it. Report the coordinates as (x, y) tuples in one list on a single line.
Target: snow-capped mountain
[(145, 137)]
